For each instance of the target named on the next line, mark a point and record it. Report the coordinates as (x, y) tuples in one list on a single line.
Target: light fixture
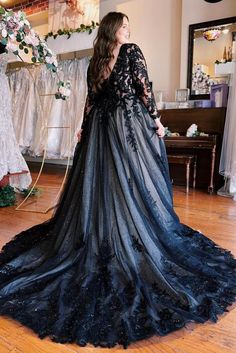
[(213, 1), (212, 34)]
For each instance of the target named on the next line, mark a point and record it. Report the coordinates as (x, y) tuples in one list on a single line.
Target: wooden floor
[(215, 216)]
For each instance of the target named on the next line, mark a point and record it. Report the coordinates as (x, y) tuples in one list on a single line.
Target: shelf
[(224, 68)]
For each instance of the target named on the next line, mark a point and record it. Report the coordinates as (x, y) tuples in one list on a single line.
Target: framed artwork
[(219, 95), (182, 95)]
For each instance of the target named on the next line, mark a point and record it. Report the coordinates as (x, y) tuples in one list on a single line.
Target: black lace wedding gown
[(114, 264)]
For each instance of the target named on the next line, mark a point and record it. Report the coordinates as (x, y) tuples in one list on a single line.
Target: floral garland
[(69, 32), (16, 35)]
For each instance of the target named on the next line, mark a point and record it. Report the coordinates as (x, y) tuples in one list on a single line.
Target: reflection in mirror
[(212, 47)]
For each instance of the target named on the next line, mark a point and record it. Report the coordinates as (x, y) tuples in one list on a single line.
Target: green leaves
[(7, 196), (2, 11), (4, 41), (69, 32)]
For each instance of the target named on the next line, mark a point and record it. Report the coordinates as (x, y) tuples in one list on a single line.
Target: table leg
[(213, 155), (194, 171), (187, 176)]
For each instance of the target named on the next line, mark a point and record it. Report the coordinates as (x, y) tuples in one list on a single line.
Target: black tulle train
[(114, 264)]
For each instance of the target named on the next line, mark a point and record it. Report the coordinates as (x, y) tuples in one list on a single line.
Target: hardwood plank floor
[(215, 216)]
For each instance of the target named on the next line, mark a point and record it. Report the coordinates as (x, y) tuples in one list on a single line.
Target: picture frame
[(182, 95), (158, 96), (219, 95)]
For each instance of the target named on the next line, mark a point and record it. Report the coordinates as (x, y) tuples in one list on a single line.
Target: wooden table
[(195, 143)]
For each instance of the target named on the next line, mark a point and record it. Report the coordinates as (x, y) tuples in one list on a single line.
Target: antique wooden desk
[(206, 149), (195, 143)]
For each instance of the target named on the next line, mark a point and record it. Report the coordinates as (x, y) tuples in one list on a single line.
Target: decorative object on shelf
[(167, 131), (17, 36), (159, 99), (182, 94), (219, 95), (192, 131), (230, 54), (225, 58), (212, 34)]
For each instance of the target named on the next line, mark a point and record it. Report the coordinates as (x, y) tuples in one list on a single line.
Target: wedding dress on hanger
[(35, 86), (11, 159), (228, 153)]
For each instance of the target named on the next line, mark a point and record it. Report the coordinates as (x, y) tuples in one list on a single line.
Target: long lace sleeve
[(141, 81), (89, 100)]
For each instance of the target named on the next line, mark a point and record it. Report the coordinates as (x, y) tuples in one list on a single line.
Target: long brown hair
[(104, 45)]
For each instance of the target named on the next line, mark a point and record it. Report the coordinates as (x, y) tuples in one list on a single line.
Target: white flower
[(31, 39), (11, 46), (12, 36), (4, 33), (49, 59), (64, 91)]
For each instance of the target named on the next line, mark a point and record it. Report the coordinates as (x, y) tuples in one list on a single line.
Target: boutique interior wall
[(155, 27), (160, 28)]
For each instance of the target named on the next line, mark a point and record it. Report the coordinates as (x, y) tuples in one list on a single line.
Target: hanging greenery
[(7, 196), (69, 32), (17, 36)]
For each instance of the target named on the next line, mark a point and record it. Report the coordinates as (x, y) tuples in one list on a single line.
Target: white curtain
[(228, 153), (34, 110)]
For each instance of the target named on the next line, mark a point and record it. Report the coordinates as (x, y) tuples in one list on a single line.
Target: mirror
[(211, 49)]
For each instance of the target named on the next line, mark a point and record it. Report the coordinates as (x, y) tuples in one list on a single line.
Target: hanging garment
[(11, 159)]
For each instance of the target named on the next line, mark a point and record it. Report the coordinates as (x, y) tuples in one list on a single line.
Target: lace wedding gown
[(11, 159), (114, 264)]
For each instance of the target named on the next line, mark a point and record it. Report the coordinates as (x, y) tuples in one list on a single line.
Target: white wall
[(155, 27), (195, 11)]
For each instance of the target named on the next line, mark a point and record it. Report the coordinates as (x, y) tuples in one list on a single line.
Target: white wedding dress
[(11, 159)]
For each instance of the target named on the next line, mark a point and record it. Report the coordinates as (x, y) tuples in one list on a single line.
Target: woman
[(12, 163), (114, 264)]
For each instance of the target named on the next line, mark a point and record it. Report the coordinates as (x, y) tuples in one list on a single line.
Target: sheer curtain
[(228, 153), (33, 110)]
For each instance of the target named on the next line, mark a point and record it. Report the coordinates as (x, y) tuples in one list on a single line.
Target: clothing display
[(228, 152), (11, 159), (115, 264), (36, 86)]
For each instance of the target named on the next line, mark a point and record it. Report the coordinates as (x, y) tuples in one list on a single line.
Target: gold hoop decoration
[(35, 201)]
